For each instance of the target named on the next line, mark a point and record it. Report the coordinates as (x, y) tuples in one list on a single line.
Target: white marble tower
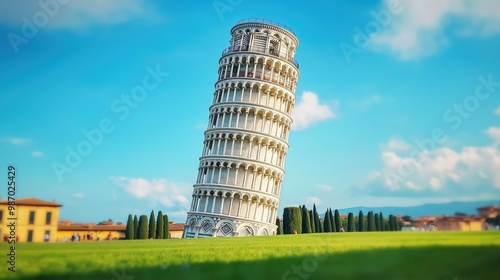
[(241, 169)]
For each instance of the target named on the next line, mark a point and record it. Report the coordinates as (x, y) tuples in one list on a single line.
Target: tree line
[(142, 229), (301, 220)]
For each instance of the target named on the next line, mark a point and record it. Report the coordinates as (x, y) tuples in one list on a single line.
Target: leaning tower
[(241, 168)]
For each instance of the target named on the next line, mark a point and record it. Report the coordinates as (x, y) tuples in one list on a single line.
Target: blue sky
[(398, 102)]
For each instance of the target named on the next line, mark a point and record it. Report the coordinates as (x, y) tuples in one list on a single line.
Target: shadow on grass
[(438, 262)]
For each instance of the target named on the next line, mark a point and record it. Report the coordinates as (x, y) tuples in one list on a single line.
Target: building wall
[(65, 235), (176, 234), (459, 226), (23, 225)]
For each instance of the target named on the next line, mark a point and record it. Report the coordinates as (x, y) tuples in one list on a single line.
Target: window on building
[(30, 234), (1, 216), (48, 218), (32, 218)]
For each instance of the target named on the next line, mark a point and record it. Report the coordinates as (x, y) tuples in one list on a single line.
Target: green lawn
[(377, 255)]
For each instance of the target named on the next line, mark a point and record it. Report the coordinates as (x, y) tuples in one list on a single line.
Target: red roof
[(90, 227), (175, 227), (31, 201)]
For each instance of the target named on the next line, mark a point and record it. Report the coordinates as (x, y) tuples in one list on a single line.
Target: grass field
[(377, 255)]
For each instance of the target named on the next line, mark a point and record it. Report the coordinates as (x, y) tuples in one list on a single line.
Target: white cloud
[(313, 200), (37, 154), (494, 132), (424, 26), (16, 140), (78, 195), (160, 190), (395, 145), (309, 111), (469, 171), (497, 111), (325, 188), (75, 13)]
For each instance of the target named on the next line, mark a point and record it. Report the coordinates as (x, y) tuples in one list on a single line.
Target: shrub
[(292, 220), (142, 231), (159, 225)]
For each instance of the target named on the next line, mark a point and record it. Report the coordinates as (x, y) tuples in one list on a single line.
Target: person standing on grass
[(47, 237), (98, 236)]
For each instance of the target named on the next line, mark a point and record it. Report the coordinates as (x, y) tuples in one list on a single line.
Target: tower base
[(202, 225)]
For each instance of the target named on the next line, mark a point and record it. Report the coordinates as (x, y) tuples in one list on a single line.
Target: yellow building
[(89, 232), (175, 230), (36, 220), (461, 223)]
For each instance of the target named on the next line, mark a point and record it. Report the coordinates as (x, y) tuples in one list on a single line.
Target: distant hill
[(432, 209)]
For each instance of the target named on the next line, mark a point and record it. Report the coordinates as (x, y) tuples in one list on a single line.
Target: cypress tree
[(292, 220), (382, 223), (397, 227), (279, 230), (377, 222), (166, 225), (350, 222), (311, 217), (370, 222), (327, 227), (333, 225), (130, 230), (338, 223), (142, 231), (136, 227), (391, 223), (332, 221), (320, 223), (159, 225), (152, 226), (361, 225), (317, 221), (306, 222)]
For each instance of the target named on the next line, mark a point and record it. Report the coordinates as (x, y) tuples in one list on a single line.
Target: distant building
[(489, 212), (425, 222), (450, 223), (36, 219), (90, 231), (460, 223), (175, 230)]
